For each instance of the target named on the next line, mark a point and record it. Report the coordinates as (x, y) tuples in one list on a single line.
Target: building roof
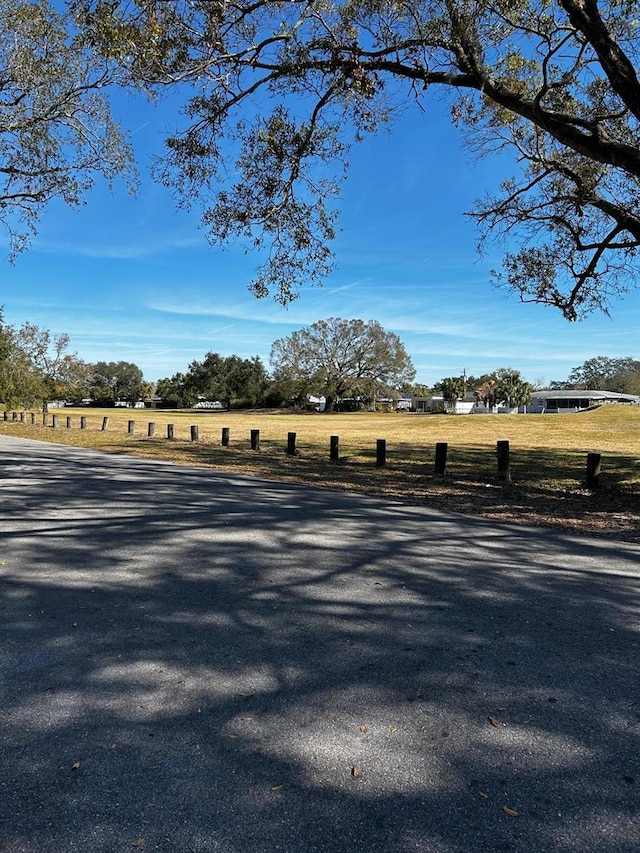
[(571, 394)]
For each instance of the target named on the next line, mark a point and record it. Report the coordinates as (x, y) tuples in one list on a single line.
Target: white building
[(566, 402)]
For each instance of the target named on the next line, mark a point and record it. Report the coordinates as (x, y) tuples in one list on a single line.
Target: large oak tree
[(338, 358)]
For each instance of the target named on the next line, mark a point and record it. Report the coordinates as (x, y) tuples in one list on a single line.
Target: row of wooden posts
[(440, 460)]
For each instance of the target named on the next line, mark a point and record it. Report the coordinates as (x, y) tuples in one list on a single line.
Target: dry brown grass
[(548, 455)]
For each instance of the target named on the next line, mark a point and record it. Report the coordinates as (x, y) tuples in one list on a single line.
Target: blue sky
[(132, 279)]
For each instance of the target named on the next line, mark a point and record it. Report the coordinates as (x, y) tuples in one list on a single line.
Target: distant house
[(566, 402), (317, 403), (404, 403), (435, 404)]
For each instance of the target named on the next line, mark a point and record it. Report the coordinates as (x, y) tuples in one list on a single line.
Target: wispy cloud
[(300, 312), (124, 251)]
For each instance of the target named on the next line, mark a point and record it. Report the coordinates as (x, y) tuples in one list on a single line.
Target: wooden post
[(291, 444), (504, 473), (334, 444), (225, 436), (69, 422), (151, 429), (381, 452), (22, 416), (55, 421), (105, 423), (33, 418), (440, 463), (255, 439), (44, 419), (131, 427), (6, 416), (83, 421), (593, 470), (194, 432), (170, 432), (14, 416)]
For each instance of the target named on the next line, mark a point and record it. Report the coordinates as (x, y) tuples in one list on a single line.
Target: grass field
[(548, 456)]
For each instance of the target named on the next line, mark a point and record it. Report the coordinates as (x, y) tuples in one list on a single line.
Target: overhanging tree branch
[(276, 93)]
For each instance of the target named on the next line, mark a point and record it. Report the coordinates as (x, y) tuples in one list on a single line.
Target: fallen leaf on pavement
[(510, 812), (139, 842), (494, 722), (277, 787), (483, 794), (363, 728), (355, 772), (75, 765)]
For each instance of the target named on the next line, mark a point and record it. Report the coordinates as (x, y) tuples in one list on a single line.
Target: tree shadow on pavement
[(197, 662)]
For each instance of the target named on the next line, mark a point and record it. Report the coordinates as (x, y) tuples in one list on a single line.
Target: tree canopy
[(228, 379), (512, 389), (337, 358), (117, 380), (452, 388), (607, 374), (35, 366), (56, 130), (277, 93)]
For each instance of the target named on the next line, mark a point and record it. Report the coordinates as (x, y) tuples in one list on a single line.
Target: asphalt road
[(196, 662)]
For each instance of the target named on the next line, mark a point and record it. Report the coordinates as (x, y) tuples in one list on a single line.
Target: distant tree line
[(230, 380), (334, 359), (348, 363), (37, 367), (601, 373)]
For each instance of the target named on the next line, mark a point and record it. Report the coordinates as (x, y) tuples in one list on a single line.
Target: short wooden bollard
[(291, 444), (44, 419), (105, 423), (83, 422), (225, 437), (440, 463), (593, 470), (502, 449), (255, 439), (14, 416), (334, 448), (381, 452), (151, 430), (33, 418), (69, 422), (54, 422), (131, 427), (194, 433), (170, 432), (6, 416), (23, 415)]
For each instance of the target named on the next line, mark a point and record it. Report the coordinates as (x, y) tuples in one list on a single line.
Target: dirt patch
[(579, 511)]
